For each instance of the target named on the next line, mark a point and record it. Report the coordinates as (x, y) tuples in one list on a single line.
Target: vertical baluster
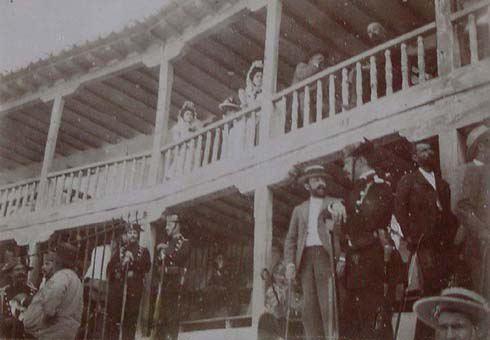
[(191, 154), (20, 200), (144, 175), (345, 89), (225, 144), (58, 191), (388, 73), (96, 181), (51, 191), (282, 114), (207, 148), (319, 100), (3, 196), (85, 191), (187, 164), (6, 201), (106, 188), (124, 176), (374, 78), (180, 150), (27, 197), (359, 100), (79, 185), (65, 199), (168, 160), (32, 196), (62, 189), (294, 111), (331, 95), (421, 59), (473, 38), (404, 66), (251, 127), (217, 134), (198, 153), (306, 108)]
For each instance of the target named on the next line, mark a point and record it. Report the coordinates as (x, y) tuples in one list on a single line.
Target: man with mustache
[(308, 251), (423, 210), (15, 297)]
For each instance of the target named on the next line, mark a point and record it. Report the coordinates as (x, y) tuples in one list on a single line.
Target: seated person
[(220, 287), (253, 90), (187, 122)]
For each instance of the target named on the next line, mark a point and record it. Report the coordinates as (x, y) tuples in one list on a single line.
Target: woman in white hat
[(253, 82), (457, 313)]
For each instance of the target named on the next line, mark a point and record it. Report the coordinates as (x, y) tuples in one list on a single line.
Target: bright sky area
[(32, 29)]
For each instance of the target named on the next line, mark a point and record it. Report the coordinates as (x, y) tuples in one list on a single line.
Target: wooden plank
[(263, 201), (54, 127), (445, 38)]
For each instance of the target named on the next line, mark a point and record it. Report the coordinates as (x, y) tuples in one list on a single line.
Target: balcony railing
[(393, 66), (18, 197)]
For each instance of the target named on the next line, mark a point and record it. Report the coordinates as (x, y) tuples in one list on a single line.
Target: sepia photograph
[(245, 169)]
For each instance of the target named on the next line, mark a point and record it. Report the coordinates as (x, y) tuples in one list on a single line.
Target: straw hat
[(310, 171), (474, 137), (457, 300)]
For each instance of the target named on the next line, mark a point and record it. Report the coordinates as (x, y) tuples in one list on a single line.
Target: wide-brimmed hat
[(456, 300), (172, 218), (311, 171), (14, 262), (474, 137), (188, 106), (229, 103), (66, 253), (257, 66)]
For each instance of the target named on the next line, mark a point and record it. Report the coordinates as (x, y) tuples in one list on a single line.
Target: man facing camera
[(308, 251)]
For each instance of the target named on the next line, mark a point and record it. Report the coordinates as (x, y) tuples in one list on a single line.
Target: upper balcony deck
[(396, 86)]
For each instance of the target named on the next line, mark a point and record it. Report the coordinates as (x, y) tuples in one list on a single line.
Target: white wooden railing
[(393, 66), (97, 180), (471, 25), (18, 197), (226, 139)]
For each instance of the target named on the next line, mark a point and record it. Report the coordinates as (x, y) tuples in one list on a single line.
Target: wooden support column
[(165, 82), (50, 148), (262, 247), (271, 62), (33, 253), (445, 37), (451, 154)]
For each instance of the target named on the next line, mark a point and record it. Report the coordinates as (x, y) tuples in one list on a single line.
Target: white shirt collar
[(429, 176), (478, 162)]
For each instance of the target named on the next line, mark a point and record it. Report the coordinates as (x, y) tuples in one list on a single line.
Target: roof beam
[(16, 148), (10, 154)]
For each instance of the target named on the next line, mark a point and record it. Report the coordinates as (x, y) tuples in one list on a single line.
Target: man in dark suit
[(423, 210), (473, 208), (369, 208), (308, 250), (125, 271)]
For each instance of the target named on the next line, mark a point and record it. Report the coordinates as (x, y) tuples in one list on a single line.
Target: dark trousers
[(315, 274)]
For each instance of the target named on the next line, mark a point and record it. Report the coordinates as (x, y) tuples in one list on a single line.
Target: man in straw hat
[(473, 208), (457, 313), (15, 296), (125, 272), (56, 310), (308, 251)]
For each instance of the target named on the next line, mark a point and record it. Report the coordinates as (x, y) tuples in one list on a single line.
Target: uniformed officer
[(369, 206), (173, 254), (15, 297), (125, 272)]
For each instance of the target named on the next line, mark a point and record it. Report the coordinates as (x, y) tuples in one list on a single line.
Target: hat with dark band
[(455, 300), (229, 104), (313, 171)]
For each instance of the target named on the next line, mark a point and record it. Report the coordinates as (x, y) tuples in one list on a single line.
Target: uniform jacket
[(298, 227), (56, 310), (365, 216), (10, 317), (417, 212)]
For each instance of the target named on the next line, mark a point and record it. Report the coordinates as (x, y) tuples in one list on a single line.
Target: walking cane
[(158, 302), (334, 271), (288, 309), (125, 295)]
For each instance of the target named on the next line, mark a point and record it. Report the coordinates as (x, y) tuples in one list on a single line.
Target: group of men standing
[(345, 240)]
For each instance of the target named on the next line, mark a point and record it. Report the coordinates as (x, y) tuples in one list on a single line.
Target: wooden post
[(271, 61), (33, 253), (165, 83), (262, 247), (445, 37), (451, 155), (50, 148)]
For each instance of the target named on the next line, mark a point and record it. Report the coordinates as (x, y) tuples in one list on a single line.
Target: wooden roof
[(123, 105)]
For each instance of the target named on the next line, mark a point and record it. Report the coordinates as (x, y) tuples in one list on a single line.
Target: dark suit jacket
[(418, 215), (365, 266), (298, 227)]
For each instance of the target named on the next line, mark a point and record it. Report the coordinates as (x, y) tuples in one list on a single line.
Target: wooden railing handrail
[(217, 319), (212, 126), (355, 59), (473, 8), (101, 163), (20, 183)]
